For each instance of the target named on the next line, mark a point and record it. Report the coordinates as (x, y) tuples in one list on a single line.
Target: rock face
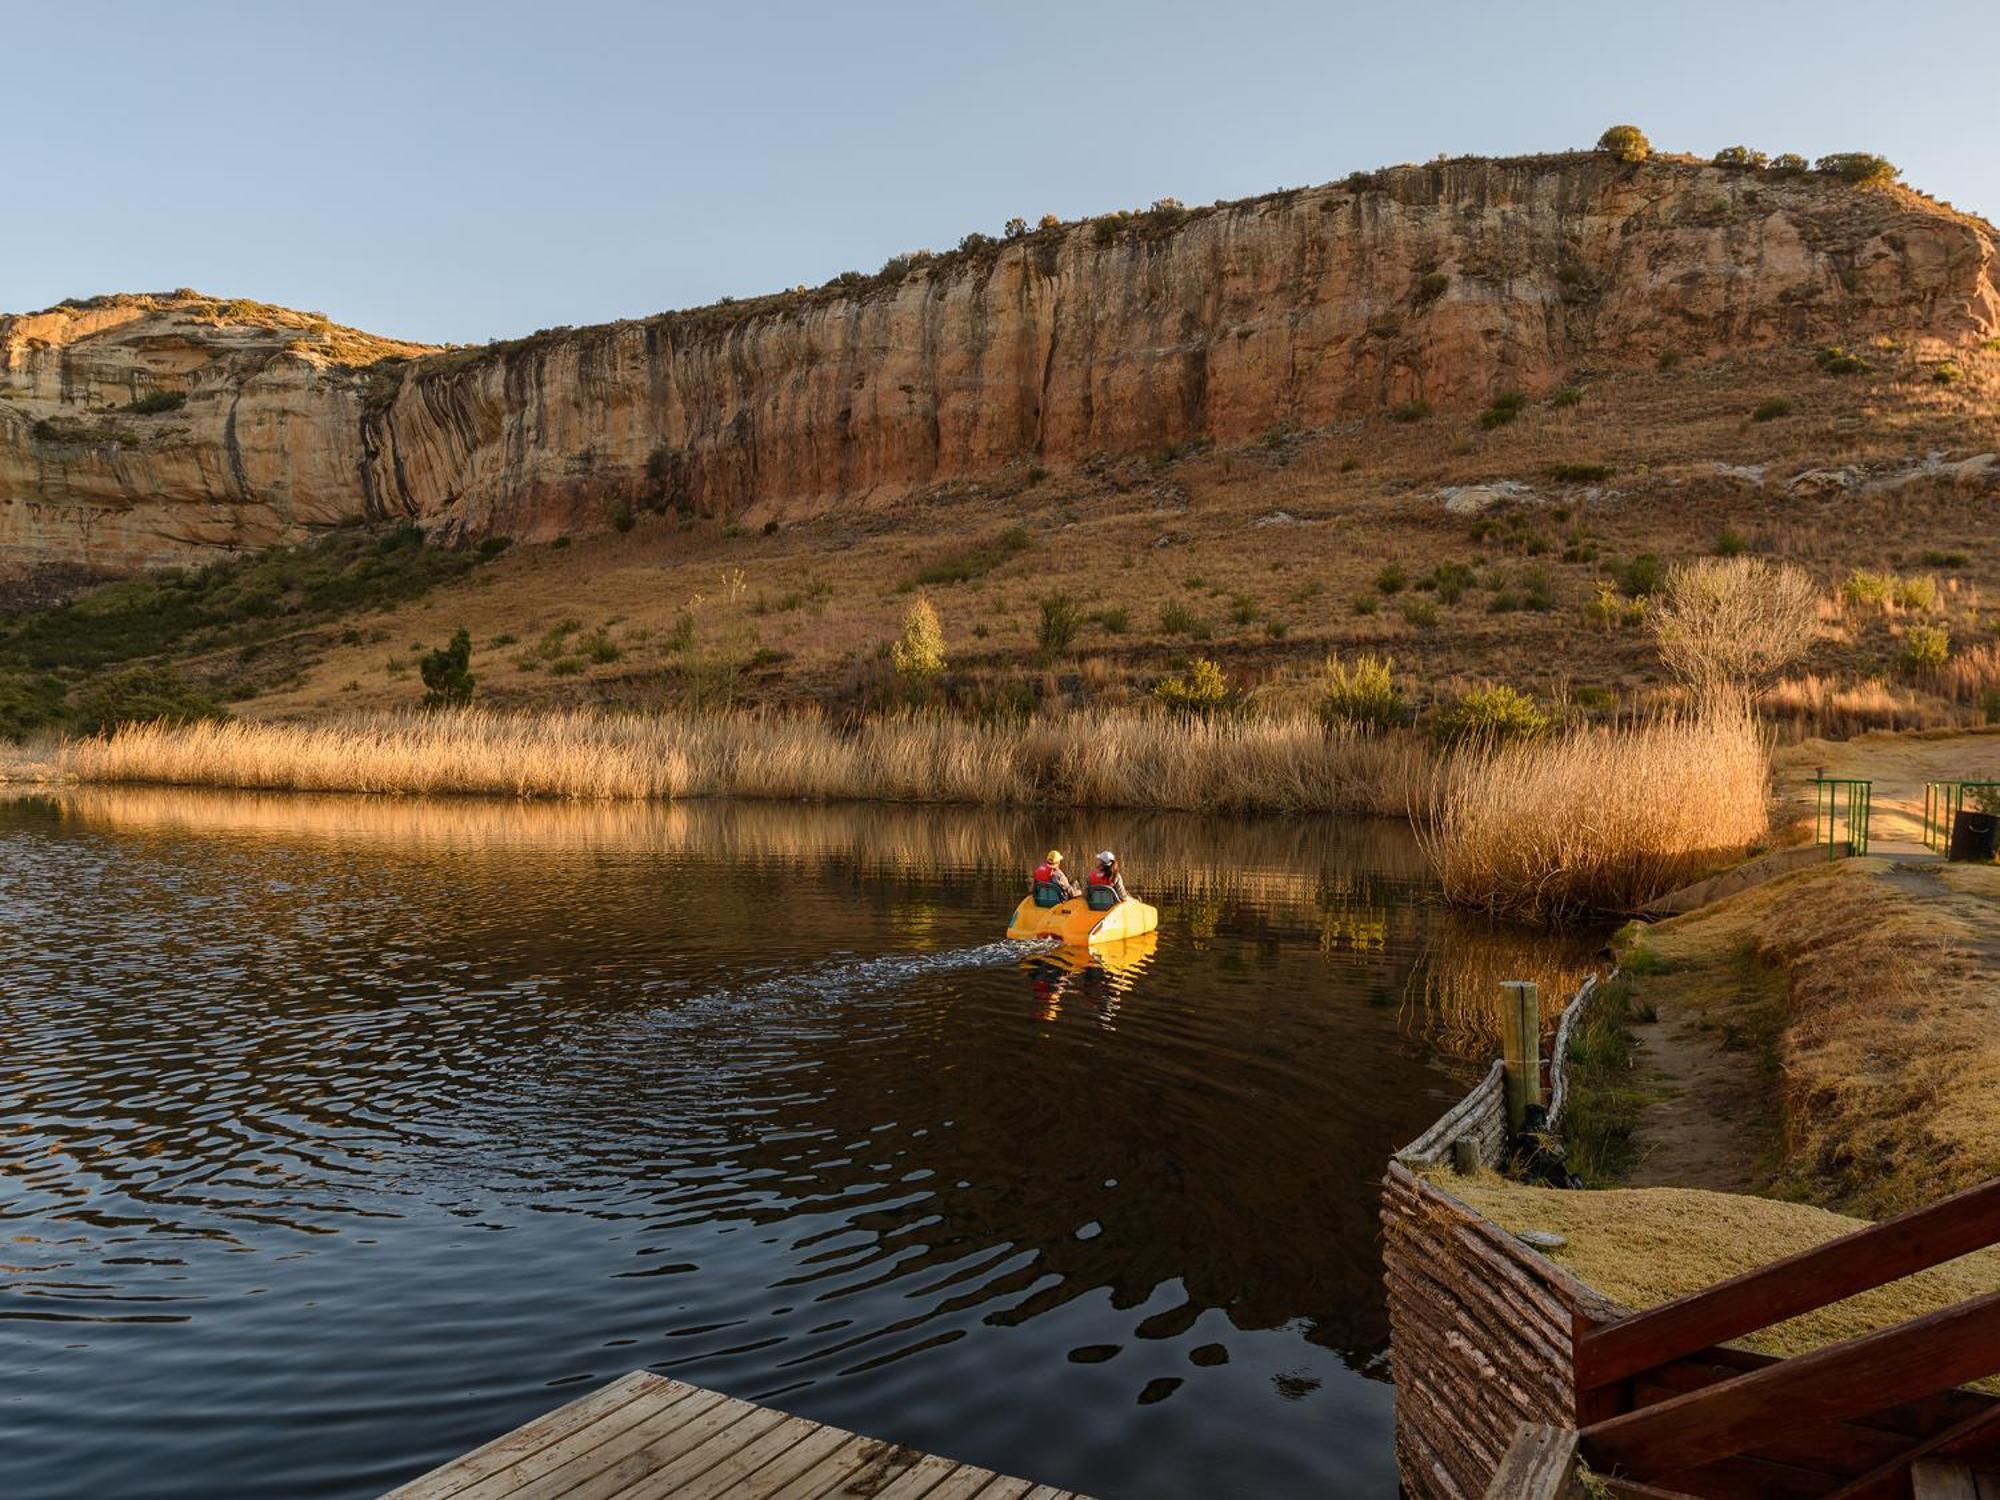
[(1447, 283)]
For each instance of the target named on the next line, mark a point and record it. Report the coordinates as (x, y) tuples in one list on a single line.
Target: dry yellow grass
[(1288, 764), (1599, 819), (1645, 1246)]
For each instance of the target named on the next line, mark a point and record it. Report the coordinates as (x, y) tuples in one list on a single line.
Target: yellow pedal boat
[(1076, 923)]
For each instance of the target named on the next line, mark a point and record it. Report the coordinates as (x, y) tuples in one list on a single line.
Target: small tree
[(1859, 168), (1731, 624), (1626, 142), (918, 655), (1016, 227), (448, 682), (1048, 221), (1788, 162)]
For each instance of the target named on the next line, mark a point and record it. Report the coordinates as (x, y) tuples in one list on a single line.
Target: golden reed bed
[(1589, 819)]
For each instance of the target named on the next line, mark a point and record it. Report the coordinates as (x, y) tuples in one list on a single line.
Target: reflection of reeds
[(1122, 760), (1282, 867), (1597, 819), (1452, 997)]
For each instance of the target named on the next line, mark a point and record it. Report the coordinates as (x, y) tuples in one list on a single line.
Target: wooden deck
[(644, 1437)]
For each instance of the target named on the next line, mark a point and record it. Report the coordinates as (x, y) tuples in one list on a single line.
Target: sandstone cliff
[(1447, 282)]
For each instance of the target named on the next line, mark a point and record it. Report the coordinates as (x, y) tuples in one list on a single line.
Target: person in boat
[(1107, 874), (1051, 872)]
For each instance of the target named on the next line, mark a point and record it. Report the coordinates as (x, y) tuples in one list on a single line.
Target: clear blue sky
[(455, 171)]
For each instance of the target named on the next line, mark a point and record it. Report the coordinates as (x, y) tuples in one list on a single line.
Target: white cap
[(1106, 857)]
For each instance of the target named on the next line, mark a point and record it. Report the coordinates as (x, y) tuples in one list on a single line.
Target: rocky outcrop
[(1446, 283)]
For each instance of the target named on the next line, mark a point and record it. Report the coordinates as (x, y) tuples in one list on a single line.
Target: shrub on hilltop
[(1626, 142)]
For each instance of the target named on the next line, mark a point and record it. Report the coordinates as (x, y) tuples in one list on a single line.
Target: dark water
[(339, 1136)]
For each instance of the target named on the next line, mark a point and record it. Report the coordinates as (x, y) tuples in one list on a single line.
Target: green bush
[(1918, 592), (599, 647), (1176, 618), (622, 518), (447, 681), (1393, 579), (1771, 410), (29, 702), (1731, 544), (1431, 287), (1449, 581), (1493, 713), (1739, 157), (1926, 647), (1115, 620), (1410, 411), (918, 654), (963, 567), (1837, 361), (1862, 587), (1579, 473), (1790, 163), (139, 695), (154, 403), (1537, 589), (1859, 168), (1505, 408), (1201, 693), (1364, 693), (1057, 628), (1421, 613), (1947, 374), (1627, 143), (1567, 395), (1640, 576)]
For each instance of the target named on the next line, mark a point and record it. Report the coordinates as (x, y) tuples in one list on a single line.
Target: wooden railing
[(1658, 1402)]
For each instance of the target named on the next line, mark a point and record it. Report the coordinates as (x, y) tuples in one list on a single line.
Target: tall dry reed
[(1283, 764), (1598, 819)]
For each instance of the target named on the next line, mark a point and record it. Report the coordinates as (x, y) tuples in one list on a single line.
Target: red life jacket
[(1044, 873), (1098, 877)]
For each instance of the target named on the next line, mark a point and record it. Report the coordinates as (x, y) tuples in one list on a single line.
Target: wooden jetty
[(644, 1437)]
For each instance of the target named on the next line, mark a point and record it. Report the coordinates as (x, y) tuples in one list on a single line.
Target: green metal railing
[(1841, 804), (1944, 800)]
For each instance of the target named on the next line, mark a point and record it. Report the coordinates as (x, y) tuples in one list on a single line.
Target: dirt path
[(1715, 1123)]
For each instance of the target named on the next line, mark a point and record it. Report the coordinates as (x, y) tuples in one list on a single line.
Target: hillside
[(1445, 284), (1461, 414)]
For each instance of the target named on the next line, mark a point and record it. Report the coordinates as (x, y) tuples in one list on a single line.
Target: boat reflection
[(1096, 978)]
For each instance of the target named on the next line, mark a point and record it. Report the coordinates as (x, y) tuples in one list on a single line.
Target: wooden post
[(1521, 1046)]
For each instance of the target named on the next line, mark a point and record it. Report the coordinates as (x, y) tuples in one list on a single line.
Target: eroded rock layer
[(1446, 283)]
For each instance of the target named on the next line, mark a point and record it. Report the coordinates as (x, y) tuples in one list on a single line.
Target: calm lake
[(339, 1135)]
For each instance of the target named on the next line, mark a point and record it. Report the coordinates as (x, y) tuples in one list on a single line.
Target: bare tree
[(1732, 624)]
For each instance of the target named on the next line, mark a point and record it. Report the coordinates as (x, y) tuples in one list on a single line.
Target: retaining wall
[(1481, 1326)]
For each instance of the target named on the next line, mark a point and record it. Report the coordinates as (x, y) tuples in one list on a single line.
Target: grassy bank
[(1278, 765)]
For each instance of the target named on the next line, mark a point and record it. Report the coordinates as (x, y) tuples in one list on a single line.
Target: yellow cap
[(1055, 856)]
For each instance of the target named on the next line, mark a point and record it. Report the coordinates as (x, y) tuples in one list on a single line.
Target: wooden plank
[(830, 1473), (803, 1456), (555, 1471), (1881, 1482), (1937, 1481), (1540, 1464), (682, 1455), (1850, 1379), (512, 1446), (738, 1471), (935, 1478), (1799, 1283)]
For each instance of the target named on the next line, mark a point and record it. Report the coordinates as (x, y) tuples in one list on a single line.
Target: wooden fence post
[(1521, 1046)]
